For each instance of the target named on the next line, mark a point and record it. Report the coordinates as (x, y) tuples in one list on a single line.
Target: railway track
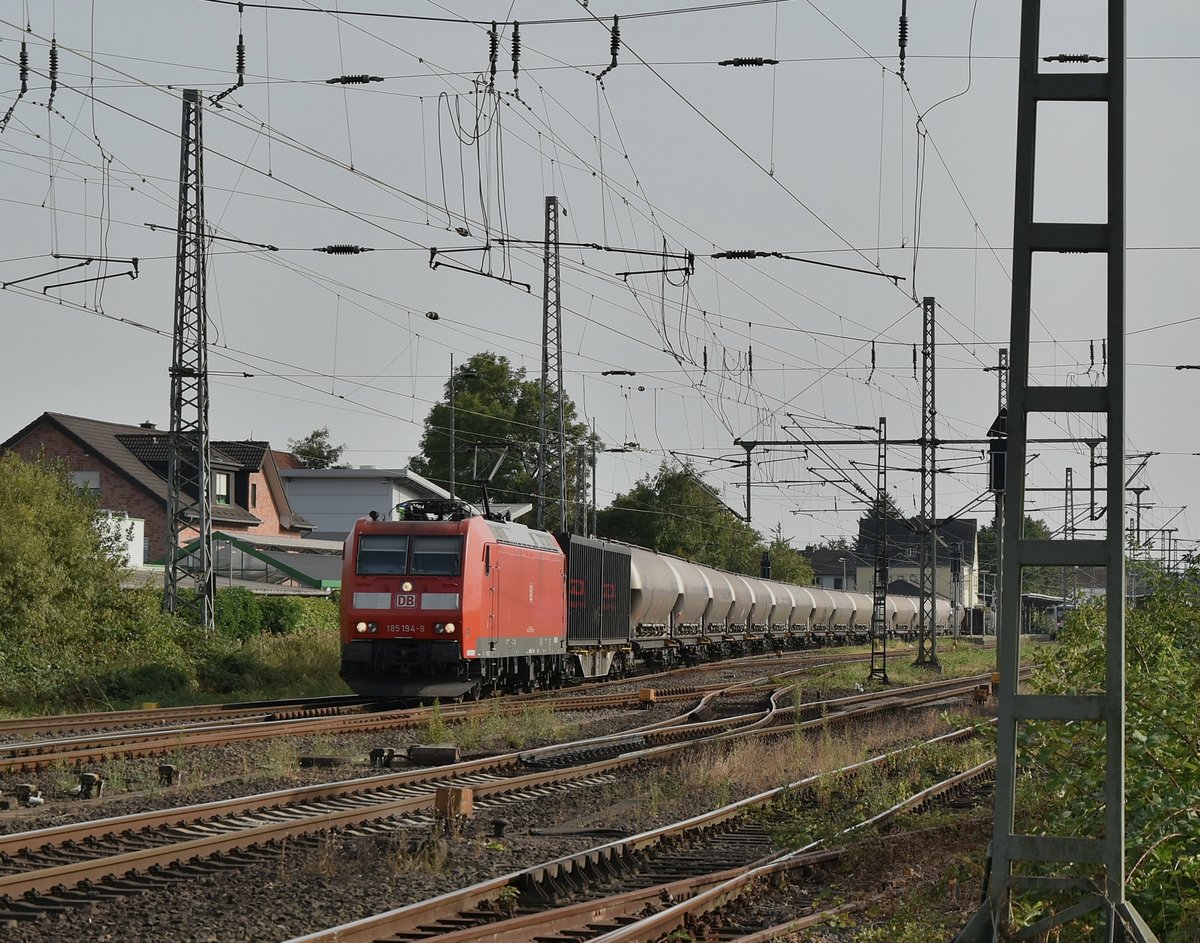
[(250, 711), (57, 869), (641, 888), (191, 728)]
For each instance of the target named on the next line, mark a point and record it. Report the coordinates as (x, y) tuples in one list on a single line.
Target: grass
[(713, 776), (500, 729), (956, 663), (821, 811)]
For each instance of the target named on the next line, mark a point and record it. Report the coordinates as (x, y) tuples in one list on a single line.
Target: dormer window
[(221, 487)]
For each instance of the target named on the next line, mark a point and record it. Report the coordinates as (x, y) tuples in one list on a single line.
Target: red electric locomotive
[(447, 604)]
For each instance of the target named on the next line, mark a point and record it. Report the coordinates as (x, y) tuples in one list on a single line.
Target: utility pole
[(552, 465), (1138, 491), (997, 469), (879, 621), (453, 480), (581, 492), (594, 528), (1059, 878), (927, 633), (189, 477), (1069, 529)]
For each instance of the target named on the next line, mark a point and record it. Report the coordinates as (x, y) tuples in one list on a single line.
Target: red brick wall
[(117, 492), (265, 509)]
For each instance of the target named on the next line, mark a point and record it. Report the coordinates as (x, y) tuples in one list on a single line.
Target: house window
[(253, 495), (221, 488), (88, 481)]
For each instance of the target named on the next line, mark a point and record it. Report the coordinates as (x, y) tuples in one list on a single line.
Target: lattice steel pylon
[(552, 441), (1081, 876), (581, 490), (879, 619), (927, 631), (188, 469)]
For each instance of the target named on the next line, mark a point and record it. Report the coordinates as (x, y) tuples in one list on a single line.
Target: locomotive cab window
[(382, 555), (437, 556)]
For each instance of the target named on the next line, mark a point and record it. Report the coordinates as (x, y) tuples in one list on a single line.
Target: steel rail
[(310, 821), (427, 912), (19, 757)]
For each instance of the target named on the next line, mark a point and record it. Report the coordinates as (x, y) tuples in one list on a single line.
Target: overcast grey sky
[(818, 156)]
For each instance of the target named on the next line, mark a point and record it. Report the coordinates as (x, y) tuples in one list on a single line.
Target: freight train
[(447, 603)]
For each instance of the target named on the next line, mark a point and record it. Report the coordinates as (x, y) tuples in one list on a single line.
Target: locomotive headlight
[(449, 628), (439, 628), (406, 586), (372, 627), (361, 627)]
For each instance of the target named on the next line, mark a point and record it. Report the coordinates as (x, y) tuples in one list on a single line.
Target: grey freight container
[(597, 592)]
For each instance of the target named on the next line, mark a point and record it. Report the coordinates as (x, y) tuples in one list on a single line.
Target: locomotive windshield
[(436, 556), (382, 555)]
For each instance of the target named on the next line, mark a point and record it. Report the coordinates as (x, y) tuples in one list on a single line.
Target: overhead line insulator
[(493, 52), (614, 47), (1073, 57), (740, 61), (343, 249), (353, 79), (53, 71), (740, 254)]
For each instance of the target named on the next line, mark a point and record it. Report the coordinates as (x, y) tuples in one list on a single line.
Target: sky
[(818, 157)]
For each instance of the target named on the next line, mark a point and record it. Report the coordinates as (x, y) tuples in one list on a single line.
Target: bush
[(280, 614), (237, 614), (147, 682), (1162, 827), (318, 612)]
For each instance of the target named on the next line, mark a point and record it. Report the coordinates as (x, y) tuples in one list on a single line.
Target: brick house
[(127, 467)]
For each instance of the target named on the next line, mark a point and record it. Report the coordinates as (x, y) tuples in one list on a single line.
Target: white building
[(334, 498)]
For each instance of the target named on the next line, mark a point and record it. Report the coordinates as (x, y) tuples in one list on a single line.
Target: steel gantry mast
[(552, 445), (879, 619), (188, 469), (1064, 877), (927, 632)]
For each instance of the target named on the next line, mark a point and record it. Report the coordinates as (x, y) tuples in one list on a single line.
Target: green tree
[(316, 451), (66, 626), (675, 512), (495, 406), (788, 565)]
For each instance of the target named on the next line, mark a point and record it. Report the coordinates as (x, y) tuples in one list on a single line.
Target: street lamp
[(842, 561), (466, 375)]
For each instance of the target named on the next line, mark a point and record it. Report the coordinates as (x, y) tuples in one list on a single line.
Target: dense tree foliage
[(316, 451), (70, 636), (65, 623), (1037, 579), (1162, 744), (788, 565), (495, 406), (675, 512)]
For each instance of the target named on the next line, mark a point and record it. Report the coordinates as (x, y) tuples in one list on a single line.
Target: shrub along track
[(238, 723), (61, 868)]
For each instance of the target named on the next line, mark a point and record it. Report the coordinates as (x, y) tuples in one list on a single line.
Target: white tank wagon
[(678, 609)]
